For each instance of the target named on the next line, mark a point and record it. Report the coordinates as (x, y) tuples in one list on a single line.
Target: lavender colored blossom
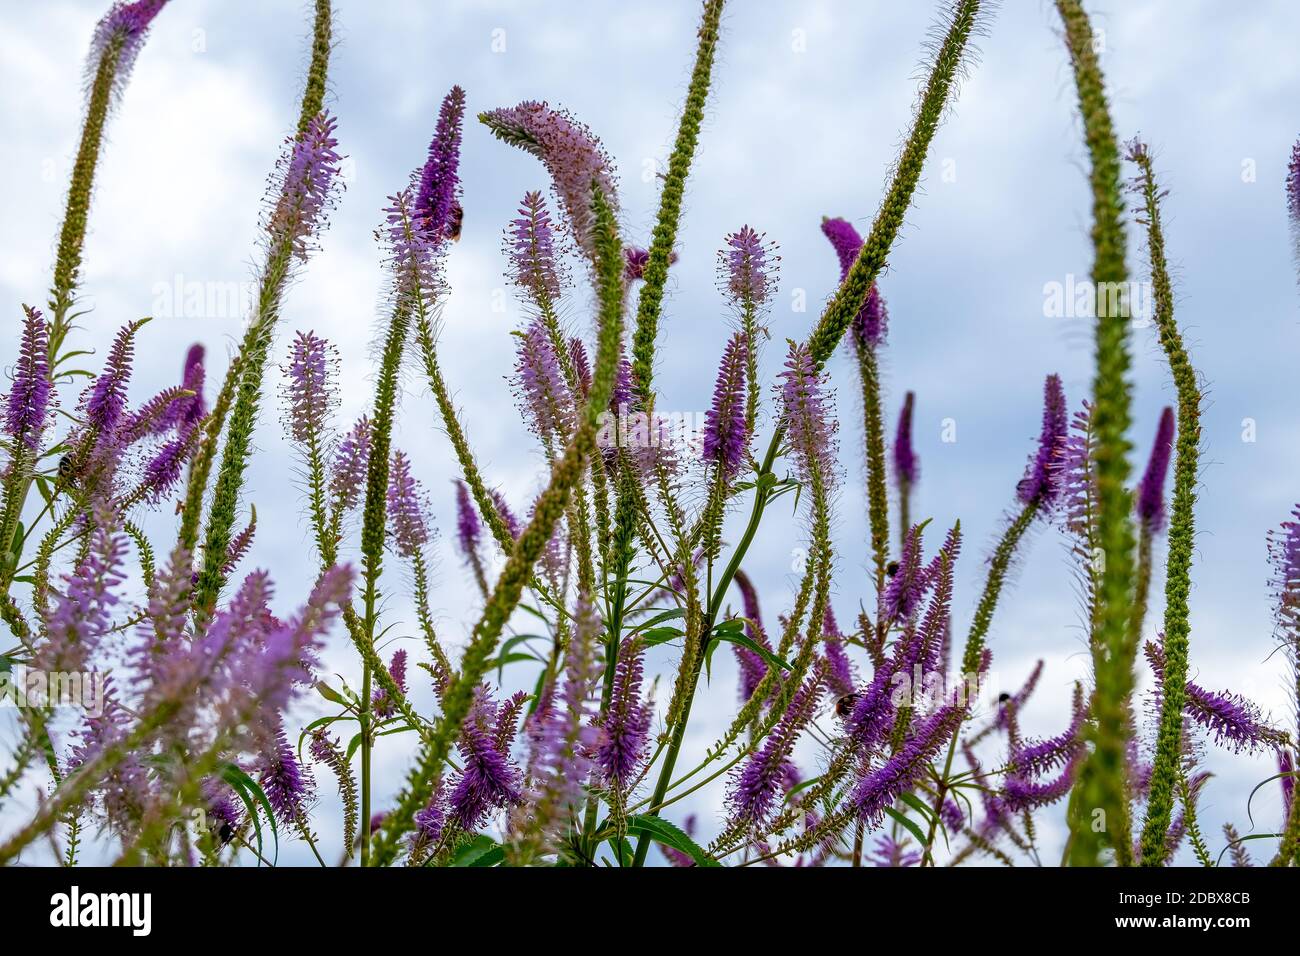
[(125, 28), (1041, 484), (805, 412), (906, 587), (382, 705), (1076, 504), (888, 852), (28, 402), (223, 814), (726, 434), (469, 530), (839, 669), (307, 181), (879, 788), (872, 321), (406, 508), (430, 821), (1231, 719), (1007, 708), (747, 268), (351, 460), (507, 516), (635, 260), (906, 471), (754, 789), (1024, 793), (1151, 492), (530, 247), (106, 401), (309, 386), (541, 391), (82, 615), (572, 155), (128, 788), (627, 724), (752, 666), (437, 198), (287, 784), (239, 545), (1293, 186), (581, 368), (488, 780)]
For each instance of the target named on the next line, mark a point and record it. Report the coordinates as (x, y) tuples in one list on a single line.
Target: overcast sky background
[(809, 103)]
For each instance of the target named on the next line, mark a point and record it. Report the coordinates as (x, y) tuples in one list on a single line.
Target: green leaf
[(330, 694), (482, 850), (501, 660), (670, 615), (242, 782), (661, 635), (915, 802), (669, 835), (746, 642), (907, 824)]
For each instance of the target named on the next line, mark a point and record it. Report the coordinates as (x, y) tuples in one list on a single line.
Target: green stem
[(1166, 768), (1103, 777)]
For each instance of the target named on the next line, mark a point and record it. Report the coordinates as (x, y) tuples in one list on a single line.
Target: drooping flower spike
[(1151, 492), (123, 29), (572, 155), (406, 508), (872, 322)]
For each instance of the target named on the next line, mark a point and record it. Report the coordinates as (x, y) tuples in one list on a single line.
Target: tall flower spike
[(309, 385), (872, 322), (906, 470), (351, 459), (82, 616), (307, 177), (437, 199), (1151, 492), (755, 787), (627, 724), (747, 267), (806, 414), (29, 396), (488, 781), (572, 155), (726, 437), (1293, 191), (406, 508), (542, 393), (107, 399), (1042, 483), (879, 788), (530, 246), (286, 783)]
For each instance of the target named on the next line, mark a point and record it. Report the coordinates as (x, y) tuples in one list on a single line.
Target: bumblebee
[(456, 222), (844, 706), (67, 471), (891, 569)]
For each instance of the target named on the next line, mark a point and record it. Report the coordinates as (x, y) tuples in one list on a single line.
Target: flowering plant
[(871, 743)]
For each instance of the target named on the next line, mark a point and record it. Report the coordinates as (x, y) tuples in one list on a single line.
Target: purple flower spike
[(380, 702), (755, 787), (1293, 185), (747, 268), (906, 588), (83, 615), (406, 508), (1042, 482), (879, 788), (752, 666), (437, 199), (627, 725), (572, 155), (107, 399), (530, 245), (906, 470), (1151, 493), (29, 397), (469, 530), (286, 784), (540, 388), (126, 24), (488, 781), (726, 435), (351, 459), (872, 321), (635, 260), (308, 179), (806, 415), (309, 386)]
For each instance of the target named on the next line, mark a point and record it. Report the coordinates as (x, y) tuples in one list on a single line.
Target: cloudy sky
[(808, 108)]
